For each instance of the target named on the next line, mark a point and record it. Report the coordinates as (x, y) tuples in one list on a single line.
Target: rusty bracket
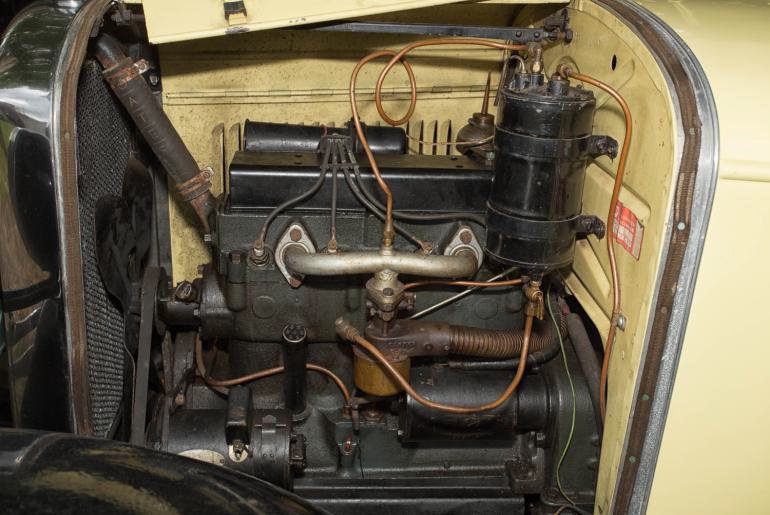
[(197, 185), (125, 71)]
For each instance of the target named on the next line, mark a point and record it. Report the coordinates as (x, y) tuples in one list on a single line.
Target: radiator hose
[(125, 79)]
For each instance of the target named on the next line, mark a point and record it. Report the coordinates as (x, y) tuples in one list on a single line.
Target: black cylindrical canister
[(542, 147), (285, 137), (526, 410)]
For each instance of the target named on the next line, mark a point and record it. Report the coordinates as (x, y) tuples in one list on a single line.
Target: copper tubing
[(388, 232), (350, 333), (261, 374), (470, 284), (567, 72), (423, 43)]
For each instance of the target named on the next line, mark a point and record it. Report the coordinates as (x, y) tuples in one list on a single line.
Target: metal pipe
[(567, 72), (455, 298), (367, 262), (294, 354)]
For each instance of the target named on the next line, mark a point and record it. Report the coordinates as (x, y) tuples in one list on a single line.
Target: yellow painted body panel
[(177, 20), (715, 454)]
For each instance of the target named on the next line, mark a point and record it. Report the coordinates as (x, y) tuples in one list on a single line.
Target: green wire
[(574, 399)]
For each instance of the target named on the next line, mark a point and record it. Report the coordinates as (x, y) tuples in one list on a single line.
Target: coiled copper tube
[(388, 232), (346, 330), (567, 72)]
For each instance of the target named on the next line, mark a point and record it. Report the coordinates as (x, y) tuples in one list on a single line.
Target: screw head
[(295, 235), (466, 236)]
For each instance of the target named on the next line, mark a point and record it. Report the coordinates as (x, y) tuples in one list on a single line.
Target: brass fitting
[(386, 292), (535, 306), (345, 329)]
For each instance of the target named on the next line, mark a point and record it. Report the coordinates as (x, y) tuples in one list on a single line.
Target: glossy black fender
[(61, 473)]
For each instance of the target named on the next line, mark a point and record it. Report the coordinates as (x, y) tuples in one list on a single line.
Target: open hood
[(174, 20)]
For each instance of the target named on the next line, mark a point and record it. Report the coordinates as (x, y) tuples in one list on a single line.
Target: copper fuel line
[(219, 383), (346, 330), (469, 284), (567, 72), (388, 233)]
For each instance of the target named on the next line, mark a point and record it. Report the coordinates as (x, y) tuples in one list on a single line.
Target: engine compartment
[(277, 347)]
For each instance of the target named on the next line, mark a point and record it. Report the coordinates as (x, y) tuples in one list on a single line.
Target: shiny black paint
[(62, 474)]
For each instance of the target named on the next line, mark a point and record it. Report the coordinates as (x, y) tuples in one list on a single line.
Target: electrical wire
[(567, 72), (388, 231), (411, 217), (262, 238), (345, 329), (219, 383), (568, 443), (376, 212)]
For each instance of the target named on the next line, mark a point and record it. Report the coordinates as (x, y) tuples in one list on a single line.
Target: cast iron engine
[(325, 355)]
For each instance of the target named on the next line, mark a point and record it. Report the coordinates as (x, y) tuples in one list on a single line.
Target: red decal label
[(627, 230)]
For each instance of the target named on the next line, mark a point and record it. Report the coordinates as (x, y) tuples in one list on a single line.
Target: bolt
[(179, 399), (207, 239), (259, 256), (154, 79), (466, 236), (294, 282), (236, 257), (184, 291), (238, 448), (295, 234), (388, 292), (621, 323)]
